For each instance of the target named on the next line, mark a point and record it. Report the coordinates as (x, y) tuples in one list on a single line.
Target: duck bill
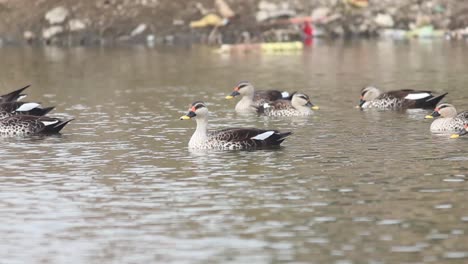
[(434, 114), (312, 106), (188, 116), (232, 95), (361, 103)]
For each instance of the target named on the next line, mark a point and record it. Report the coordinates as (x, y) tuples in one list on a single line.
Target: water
[(120, 186)]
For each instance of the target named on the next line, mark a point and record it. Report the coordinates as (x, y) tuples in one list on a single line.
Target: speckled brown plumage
[(27, 125)]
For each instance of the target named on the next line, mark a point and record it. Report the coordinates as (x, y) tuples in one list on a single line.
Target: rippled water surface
[(120, 186)]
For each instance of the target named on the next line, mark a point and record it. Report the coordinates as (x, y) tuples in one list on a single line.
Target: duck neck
[(201, 132), (245, 103), (304, 109)]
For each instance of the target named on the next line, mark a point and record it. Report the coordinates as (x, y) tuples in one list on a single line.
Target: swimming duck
[(252, 99), (299, 105), (229, 138), (462, 132), (28, 125), (450, 121), (372, 97), (13, 96), (22, 108)]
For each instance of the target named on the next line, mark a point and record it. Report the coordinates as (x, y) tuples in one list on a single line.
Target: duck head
[(462, 132), (197, 108), (443, 110), (368, 94), (302, 100), (242, 88)]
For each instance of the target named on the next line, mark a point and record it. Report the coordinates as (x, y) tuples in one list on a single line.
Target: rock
[(384, 20), (224, 9), (178, 22), (267, 6), (268, 10), (57, 15), (76, 25), (138, 30), (320, 13), (150, 40), (29, 36), (50, 32)]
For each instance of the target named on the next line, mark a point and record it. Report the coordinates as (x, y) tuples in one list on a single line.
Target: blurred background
[(87, 22)]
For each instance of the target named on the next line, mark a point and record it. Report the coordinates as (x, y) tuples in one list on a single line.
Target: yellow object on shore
[(263, 47), (358, 3), (209, 20), (281, 46)]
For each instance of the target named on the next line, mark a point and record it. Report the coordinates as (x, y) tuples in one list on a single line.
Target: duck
[(462, 132), (299, 105), (29, 125), (229, 138), (251, 99), (371, 97), (449, 121), (23, 108), (14, 96)]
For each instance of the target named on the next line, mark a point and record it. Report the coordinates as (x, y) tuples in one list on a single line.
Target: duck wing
[(24, 108), (35, 124), (281, 104), (268, 95), (415, 98), (250, 137)]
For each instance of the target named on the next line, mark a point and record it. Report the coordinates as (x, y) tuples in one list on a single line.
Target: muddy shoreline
[(110, 22)]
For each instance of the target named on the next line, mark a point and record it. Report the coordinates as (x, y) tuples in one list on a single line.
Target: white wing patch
[(416, 96), (48, 123), (27, 107), (21, 97), (285, 94), (266, 105), (263, 135)]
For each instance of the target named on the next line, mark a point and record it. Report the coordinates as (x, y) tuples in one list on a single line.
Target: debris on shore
[(101, 22)]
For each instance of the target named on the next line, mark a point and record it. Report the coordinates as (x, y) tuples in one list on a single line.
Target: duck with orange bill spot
[(252, 99), (229, 138), (448, 120), (371, 97), (299, 105)]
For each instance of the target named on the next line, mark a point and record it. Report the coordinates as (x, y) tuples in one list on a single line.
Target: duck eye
[(242, 86), (199, 106)]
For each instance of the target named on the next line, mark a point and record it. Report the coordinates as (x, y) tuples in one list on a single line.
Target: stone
[(29, 36), (384, 20), (320, 13), (224, 9), (57, 15), (76, 25), (52, 31), (138, 30)]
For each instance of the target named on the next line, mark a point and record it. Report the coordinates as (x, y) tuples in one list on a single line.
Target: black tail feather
[(53, 129), (277, 138), (13, 96), (431, 102)]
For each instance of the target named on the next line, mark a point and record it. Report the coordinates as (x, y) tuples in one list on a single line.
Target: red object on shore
[(308, 30)]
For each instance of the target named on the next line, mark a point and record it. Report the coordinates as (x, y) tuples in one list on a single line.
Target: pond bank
[(90, 22)]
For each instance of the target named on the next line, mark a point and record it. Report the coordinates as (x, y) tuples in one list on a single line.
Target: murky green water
[(120, 185)]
